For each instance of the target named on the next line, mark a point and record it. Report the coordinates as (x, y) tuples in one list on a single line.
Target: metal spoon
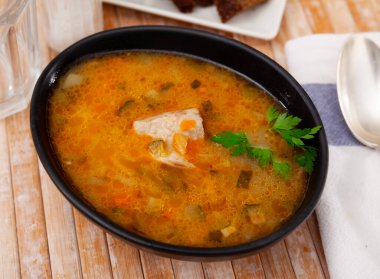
[(358, 87)]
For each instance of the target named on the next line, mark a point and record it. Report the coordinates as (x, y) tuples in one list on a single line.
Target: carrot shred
[(187, 125)]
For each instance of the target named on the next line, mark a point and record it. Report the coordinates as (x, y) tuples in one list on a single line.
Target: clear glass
[(71, 20), (19, 54)]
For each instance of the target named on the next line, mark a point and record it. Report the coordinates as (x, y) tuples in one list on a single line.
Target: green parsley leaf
[(272, 114), (281, 168), (285, 126), (229, 139), (286, 122), (262, 155), (239, 144), (239, 149), (238, 141), (307, 158)]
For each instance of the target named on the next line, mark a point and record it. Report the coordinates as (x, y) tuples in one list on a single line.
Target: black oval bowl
[(226, 52)]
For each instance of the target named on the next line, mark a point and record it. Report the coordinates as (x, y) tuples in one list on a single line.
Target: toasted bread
[(229, 8), (204, 3), (185, 6)]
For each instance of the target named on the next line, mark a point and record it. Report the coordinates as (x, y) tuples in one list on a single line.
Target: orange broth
[(91, 128)]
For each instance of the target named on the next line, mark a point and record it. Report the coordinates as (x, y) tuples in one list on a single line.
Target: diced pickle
[(166, 86), (207, 106), (117, 210), (157, 148), (244, 179), (215, 236), (127, 104), (195, 84), (195, 212), (250, 91)]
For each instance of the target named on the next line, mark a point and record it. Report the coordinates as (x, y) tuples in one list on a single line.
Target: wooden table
[(42, 236)]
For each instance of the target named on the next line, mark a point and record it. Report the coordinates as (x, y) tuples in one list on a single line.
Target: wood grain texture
[(260, 45), (30, 217), (110, 18), (93, 249), (9, 260), (296, 22), (340, 16), (125, 259), (276, 262), (303, 254), (185, 269), (293, 25), (156, 267), (65, 245), (312, 223), (219, 270), (364, 15), (61, 234), (317, 16), (248, 267), (376, 7)]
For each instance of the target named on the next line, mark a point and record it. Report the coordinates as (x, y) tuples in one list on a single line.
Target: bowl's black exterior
[(230, 53)]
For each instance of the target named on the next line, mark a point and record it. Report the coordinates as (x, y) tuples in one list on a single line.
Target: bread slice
[(185, 6), (229, 8), (204, 3)]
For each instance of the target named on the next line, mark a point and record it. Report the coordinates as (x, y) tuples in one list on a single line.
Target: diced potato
[(194, 212), (180, 143), (254, 214), (228, 231), (152, 94), (257, 218), (71, 80), (154, 205)]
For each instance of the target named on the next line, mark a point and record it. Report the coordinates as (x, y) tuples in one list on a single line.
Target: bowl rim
[(185, 252)]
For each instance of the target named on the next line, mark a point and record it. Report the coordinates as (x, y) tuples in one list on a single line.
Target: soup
[(135, 135)]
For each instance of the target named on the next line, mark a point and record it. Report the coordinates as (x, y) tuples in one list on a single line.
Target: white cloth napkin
[(349, 209)]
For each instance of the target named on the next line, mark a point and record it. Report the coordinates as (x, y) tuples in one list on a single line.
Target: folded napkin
[(349, 209)]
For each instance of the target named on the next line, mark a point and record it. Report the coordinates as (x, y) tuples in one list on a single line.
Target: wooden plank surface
[(185, 269), (125, 259), (61, 234), (93, 249), (42, 236), (9, 260), (30, 216)]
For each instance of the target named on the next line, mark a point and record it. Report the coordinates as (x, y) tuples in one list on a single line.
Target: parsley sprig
[(285, 125), (239, 145)]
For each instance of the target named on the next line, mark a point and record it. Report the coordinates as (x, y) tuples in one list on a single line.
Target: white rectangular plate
[(261, 22)]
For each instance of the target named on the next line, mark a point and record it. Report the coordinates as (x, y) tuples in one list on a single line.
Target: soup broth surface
[(216, 199)]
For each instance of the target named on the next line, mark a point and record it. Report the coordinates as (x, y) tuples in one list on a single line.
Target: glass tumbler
[(68, 21), (19, 54)]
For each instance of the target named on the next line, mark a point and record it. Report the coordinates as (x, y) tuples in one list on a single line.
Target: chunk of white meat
[(164, 126)]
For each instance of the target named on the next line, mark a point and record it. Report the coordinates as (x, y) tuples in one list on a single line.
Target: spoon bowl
[(358, 85)]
